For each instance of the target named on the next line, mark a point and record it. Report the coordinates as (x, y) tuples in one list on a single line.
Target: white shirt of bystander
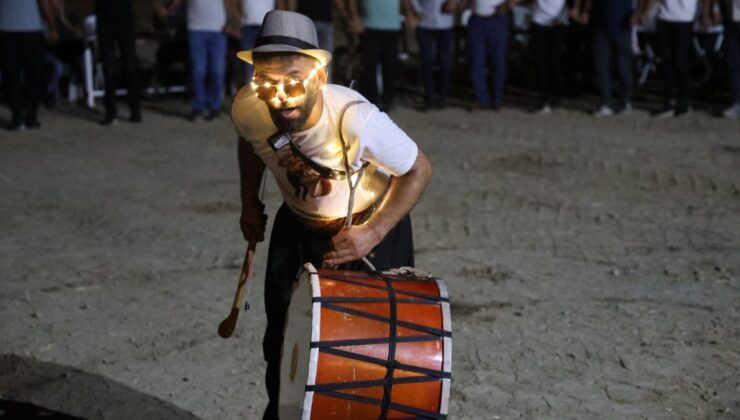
[(255, 11), (549, 12), (206, 15), (677, 10), (486, 7)]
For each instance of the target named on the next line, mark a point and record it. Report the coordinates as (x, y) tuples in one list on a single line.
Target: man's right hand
[(355, 26), (253, 222), (637, 19)]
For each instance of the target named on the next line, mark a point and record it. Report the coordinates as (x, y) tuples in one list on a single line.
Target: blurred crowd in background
[(466, 50)]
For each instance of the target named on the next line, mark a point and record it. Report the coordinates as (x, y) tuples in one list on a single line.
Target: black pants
[(614, 48), (122, 40), (674, 41), (435, 50), (547, 43), (22, 60), (732, 49), (379, 47), (291, 246)]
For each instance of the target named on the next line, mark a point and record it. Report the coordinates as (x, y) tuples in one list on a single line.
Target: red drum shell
[(323, 376)]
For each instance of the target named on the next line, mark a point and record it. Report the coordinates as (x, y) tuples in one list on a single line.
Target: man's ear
[(323, 76)]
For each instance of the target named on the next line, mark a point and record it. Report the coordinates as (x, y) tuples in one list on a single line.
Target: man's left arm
[(404, 192)]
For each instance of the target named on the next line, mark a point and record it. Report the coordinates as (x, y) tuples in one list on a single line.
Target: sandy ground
[(594, 265)]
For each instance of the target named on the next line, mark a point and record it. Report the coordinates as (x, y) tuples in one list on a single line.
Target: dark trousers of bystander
[(732, 50), (488, 43), (249, 36), (123, 41), (291, 246), (435, 49), (547, 45), (379, 47), (22, 60), (613, 48), (674, 40)]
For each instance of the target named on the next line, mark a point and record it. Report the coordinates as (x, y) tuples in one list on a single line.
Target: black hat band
[(284, 40)]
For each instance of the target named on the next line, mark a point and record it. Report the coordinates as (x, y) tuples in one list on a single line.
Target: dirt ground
[(593, 265)]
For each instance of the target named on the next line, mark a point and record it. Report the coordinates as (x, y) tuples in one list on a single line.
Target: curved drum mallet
[(226, 327)]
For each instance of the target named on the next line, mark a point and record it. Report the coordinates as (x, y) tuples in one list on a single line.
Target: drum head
[(298, 363)]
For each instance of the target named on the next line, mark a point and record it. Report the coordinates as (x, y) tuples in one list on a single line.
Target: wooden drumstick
[(226, 327)]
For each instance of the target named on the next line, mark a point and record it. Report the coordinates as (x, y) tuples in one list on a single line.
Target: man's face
[(289, 112)]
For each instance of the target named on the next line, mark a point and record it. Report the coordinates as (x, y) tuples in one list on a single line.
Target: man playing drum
[(333, 154)]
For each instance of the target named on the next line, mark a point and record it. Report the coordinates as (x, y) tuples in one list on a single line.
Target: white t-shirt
[(370, 135), (206, 15), (677, 10), (255, 10), (486, 7), (549, 12)]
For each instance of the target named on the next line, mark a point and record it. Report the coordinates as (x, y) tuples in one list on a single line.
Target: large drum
[(359, 346)]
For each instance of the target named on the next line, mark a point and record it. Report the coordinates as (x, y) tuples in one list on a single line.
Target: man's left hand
[(352, 244)]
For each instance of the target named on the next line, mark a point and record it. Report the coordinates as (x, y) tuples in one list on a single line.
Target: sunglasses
[(294, 88)]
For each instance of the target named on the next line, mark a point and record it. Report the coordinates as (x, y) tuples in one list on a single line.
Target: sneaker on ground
[(665, 112), (211, 115), (682, 111), (603, 111), (543, 110), (194, 115), (732, 112), (625, 109), (108, 121), (32, 123)]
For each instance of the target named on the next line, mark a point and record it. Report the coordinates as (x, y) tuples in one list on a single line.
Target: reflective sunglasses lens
[(266, 93), (294, 89)]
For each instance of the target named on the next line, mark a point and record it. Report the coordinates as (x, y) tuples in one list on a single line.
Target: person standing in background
[(612, 38), (378, 22), (435, 35), (207, 43), (320, 11), (22, 46), (577, 58), (674, 30), (250, 14), (488, 43), (548, 31), (728, 13), (115, 30)]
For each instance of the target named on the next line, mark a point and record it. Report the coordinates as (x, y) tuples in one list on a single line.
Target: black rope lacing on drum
[(390, 363)]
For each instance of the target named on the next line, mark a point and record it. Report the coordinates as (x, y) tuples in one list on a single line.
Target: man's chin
[(288, 121)]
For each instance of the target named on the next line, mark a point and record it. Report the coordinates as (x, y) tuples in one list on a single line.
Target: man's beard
[(291, 125)]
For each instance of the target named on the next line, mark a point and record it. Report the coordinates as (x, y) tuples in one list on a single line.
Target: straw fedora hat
[(285, 31)]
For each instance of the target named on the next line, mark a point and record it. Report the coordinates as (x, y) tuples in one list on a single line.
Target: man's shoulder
[(338, 95), (357, 109), (249, 114)]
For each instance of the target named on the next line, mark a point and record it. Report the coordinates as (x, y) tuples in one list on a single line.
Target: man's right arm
[(251, 170), (640, 14), (355, 20)]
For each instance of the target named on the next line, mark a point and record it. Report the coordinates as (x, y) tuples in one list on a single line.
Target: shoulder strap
[(341, 117), (341, 130)]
